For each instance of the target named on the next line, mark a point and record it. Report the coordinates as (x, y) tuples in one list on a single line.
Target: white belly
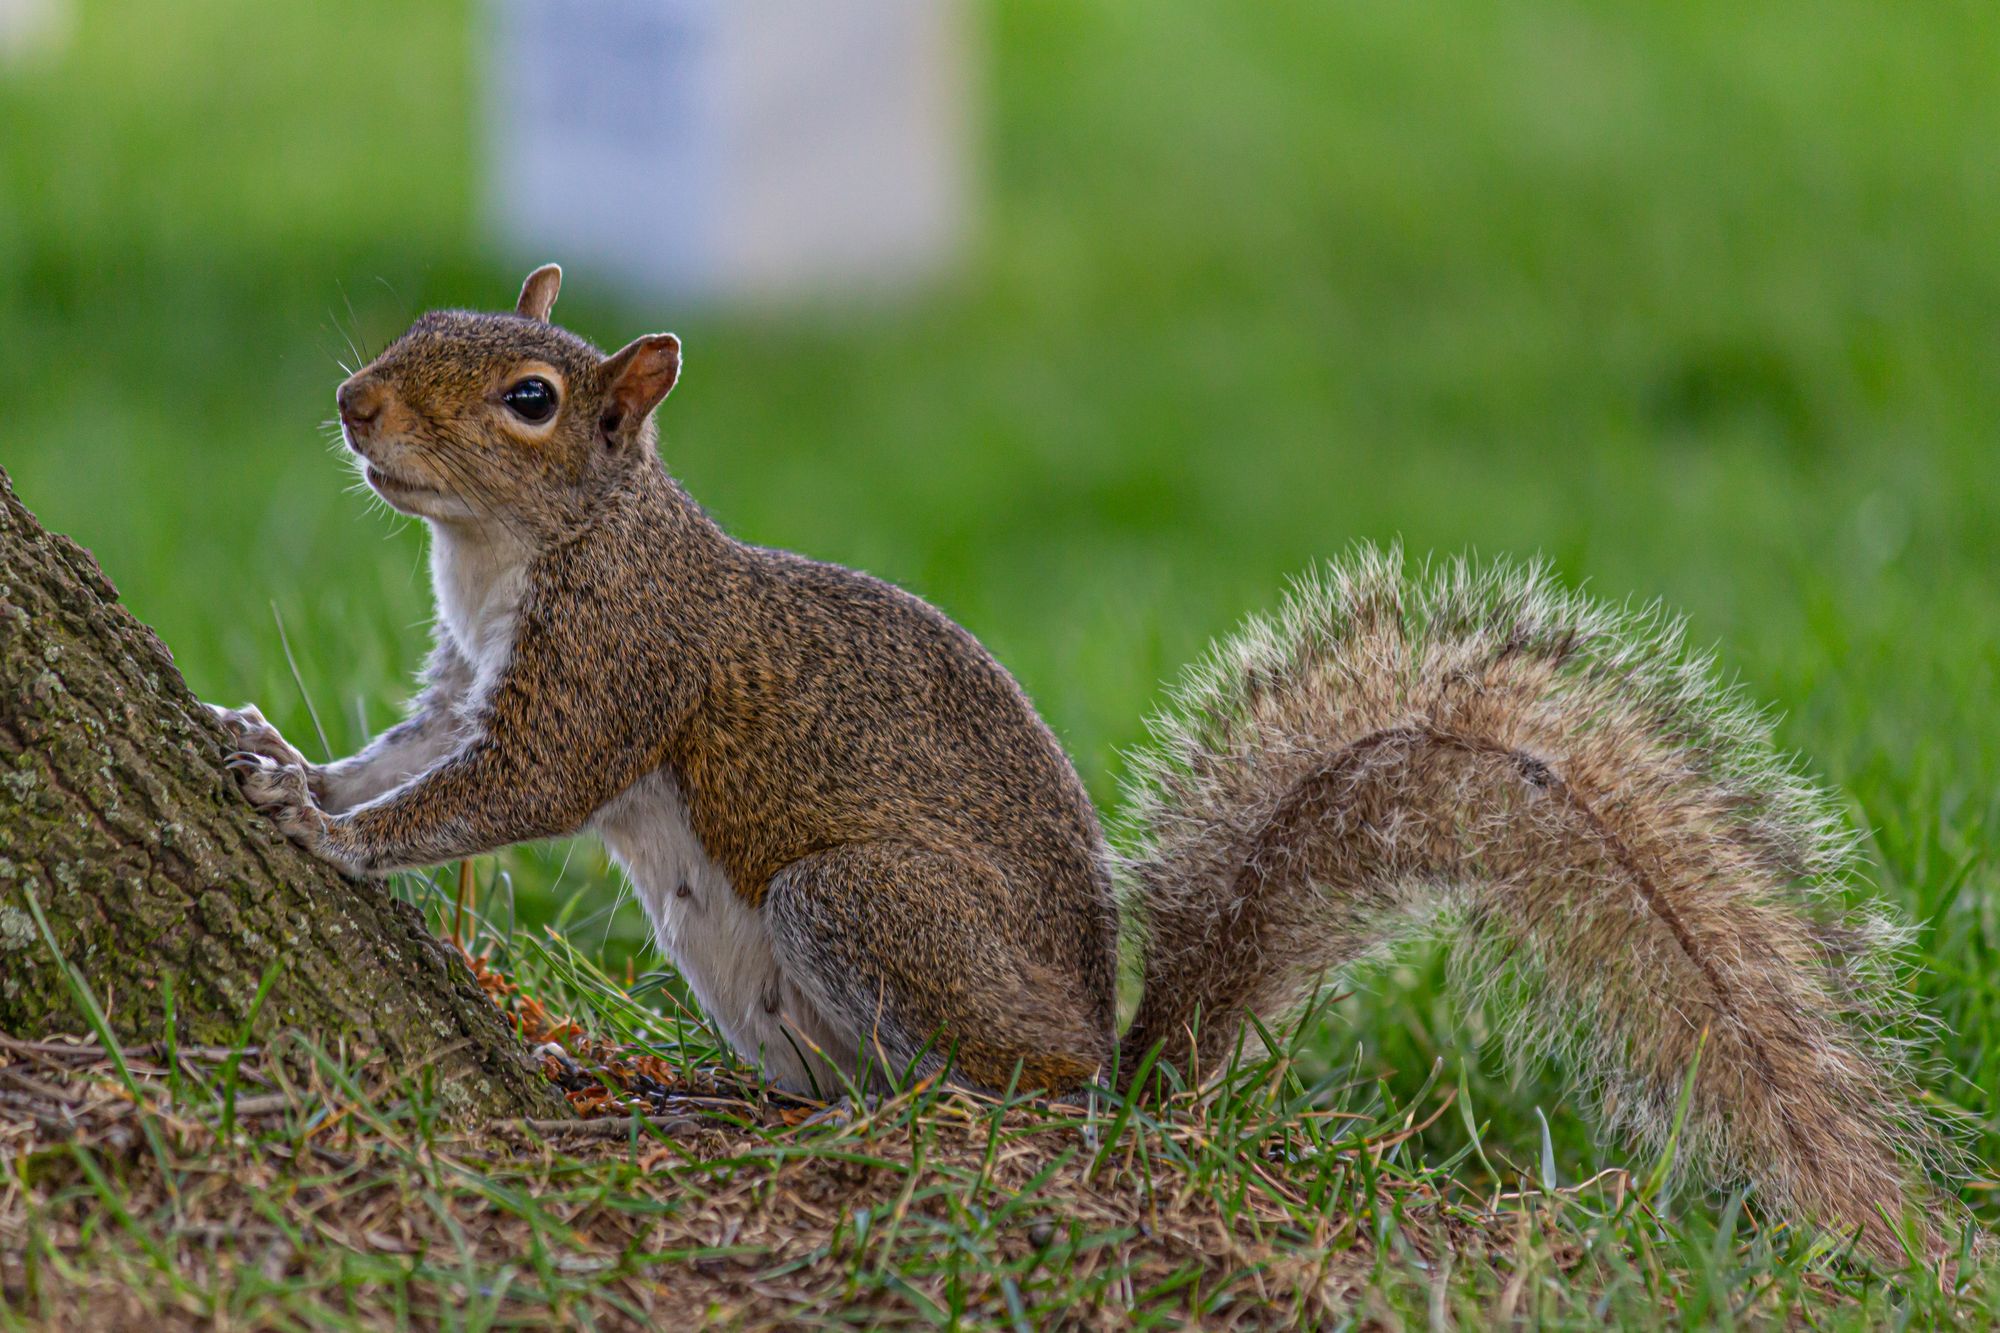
[(718, 941)]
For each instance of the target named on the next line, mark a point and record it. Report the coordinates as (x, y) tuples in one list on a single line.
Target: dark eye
[(532, 399)]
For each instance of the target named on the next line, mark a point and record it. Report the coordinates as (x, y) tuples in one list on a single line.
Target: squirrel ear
[(637, 377), (538, 293)]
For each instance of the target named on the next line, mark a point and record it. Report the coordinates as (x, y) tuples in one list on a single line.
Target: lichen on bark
[(117, 817)]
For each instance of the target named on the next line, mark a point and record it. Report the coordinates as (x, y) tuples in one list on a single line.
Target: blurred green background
[(1700, 301)]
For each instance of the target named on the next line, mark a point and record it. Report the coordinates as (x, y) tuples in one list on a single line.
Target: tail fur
[(1621, 860)]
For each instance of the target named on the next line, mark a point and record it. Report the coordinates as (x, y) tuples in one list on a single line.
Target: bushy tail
[(1620, 857)]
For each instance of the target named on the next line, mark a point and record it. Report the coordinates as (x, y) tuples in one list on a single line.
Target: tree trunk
[(117, 816)]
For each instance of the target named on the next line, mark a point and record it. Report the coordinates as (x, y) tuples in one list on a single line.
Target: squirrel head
[(474, 418)]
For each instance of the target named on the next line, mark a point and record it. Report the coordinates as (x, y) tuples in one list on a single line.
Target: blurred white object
[(30, 26), (731, 149)]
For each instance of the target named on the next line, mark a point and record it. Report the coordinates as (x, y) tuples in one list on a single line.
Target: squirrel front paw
[(248, 731), (284, 794)]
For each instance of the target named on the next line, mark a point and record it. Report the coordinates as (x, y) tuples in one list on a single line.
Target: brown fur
[(1629, 873), (819, 722), (878, 788)]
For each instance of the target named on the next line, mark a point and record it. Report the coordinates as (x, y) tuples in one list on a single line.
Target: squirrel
[(861, 845)]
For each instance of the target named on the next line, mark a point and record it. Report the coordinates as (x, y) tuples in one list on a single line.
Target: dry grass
[(133, 1212), (298, 1187)]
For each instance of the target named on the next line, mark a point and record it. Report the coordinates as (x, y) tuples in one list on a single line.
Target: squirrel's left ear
[(637, 377), (538, 293)]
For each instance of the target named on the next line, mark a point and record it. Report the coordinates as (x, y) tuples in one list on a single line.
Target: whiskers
[(347, 333), (477, 493), (336, 442)]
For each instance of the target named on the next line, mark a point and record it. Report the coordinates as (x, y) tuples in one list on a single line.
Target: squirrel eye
[(533, 400)]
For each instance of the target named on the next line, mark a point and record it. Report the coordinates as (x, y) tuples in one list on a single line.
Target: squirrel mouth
[(386, 481)]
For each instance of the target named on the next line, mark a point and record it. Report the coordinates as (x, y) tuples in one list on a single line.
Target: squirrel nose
[(360, 402)]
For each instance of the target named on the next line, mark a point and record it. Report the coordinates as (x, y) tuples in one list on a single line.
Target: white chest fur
[(478, 575), (717, 940)]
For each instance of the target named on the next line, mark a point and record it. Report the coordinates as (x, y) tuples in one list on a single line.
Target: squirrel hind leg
[(912, 948)]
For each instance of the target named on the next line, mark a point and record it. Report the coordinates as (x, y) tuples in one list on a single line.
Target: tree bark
[(117, 816)]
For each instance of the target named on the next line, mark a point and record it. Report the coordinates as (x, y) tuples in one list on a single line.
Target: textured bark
[(117, 816)]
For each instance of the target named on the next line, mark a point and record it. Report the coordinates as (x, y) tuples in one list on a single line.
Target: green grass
[(1699, 301), (321, 1194)]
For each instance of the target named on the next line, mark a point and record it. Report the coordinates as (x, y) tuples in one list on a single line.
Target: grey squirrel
[(858, 841)]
